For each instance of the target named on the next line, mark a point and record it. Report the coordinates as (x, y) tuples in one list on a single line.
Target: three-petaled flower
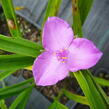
[(62, 53)]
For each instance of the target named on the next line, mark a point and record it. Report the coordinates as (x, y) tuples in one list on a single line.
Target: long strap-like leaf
[(90, 90), (14, 62), (19, 46), (15, 89), (52, 9), (20, 101)]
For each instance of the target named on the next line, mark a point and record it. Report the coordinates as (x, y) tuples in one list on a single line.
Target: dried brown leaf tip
[(75, 7)]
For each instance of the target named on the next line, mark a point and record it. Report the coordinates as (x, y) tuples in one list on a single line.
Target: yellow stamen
[(63, 61), (64, 57)]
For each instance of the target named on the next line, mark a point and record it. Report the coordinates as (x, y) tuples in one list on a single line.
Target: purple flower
[(62, 53)]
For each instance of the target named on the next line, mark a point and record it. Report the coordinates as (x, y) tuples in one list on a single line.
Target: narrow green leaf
[(17, 100), (11, 18), (2, 104), (5, 74), (15, 89), (24, 101), (90, 90), (77, 25), (101, 81), (81, 9), (22, 97), (57, 105), (52, 106), (104, 97), (75, 97), (2, 101), (19, 46), (84, 8), (52, 8), (14, 62)]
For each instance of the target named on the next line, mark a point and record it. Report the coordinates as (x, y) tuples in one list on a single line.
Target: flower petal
[(57, 34), (83, 54), (47, 70)]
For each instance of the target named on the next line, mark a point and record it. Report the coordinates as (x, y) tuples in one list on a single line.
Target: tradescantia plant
[(63, 54)]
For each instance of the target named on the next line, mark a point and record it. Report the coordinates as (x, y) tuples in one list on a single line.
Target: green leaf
[(77, 25), (81, 9), (5, 74), (101, 81), (2, 104), (105, 98), (52, 106), (57, 105), (11, 18), (15, 89), (21, 99), (90, 90), (24, 101), (19, 46), (75, 97), (2, 101), (84, 8), (52, 8), (14, 62)]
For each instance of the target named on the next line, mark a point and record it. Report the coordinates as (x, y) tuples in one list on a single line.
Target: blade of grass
[(105, 98), (75, 97), (57, 105), (21, 99), (2, 101), (90, 90), (52, 9), (81, 9), (3, 105), (11, 18), (24, 101), (14, 62), (5, 74), (101, 81), (15, 89), (19, 46), (52, 106), (77, 25), (84, 8)]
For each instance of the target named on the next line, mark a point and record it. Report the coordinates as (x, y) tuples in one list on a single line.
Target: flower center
[(62, 55)]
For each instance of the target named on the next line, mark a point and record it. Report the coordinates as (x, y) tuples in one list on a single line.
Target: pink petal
[(83, 54), (47, 70), (57, 34)]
